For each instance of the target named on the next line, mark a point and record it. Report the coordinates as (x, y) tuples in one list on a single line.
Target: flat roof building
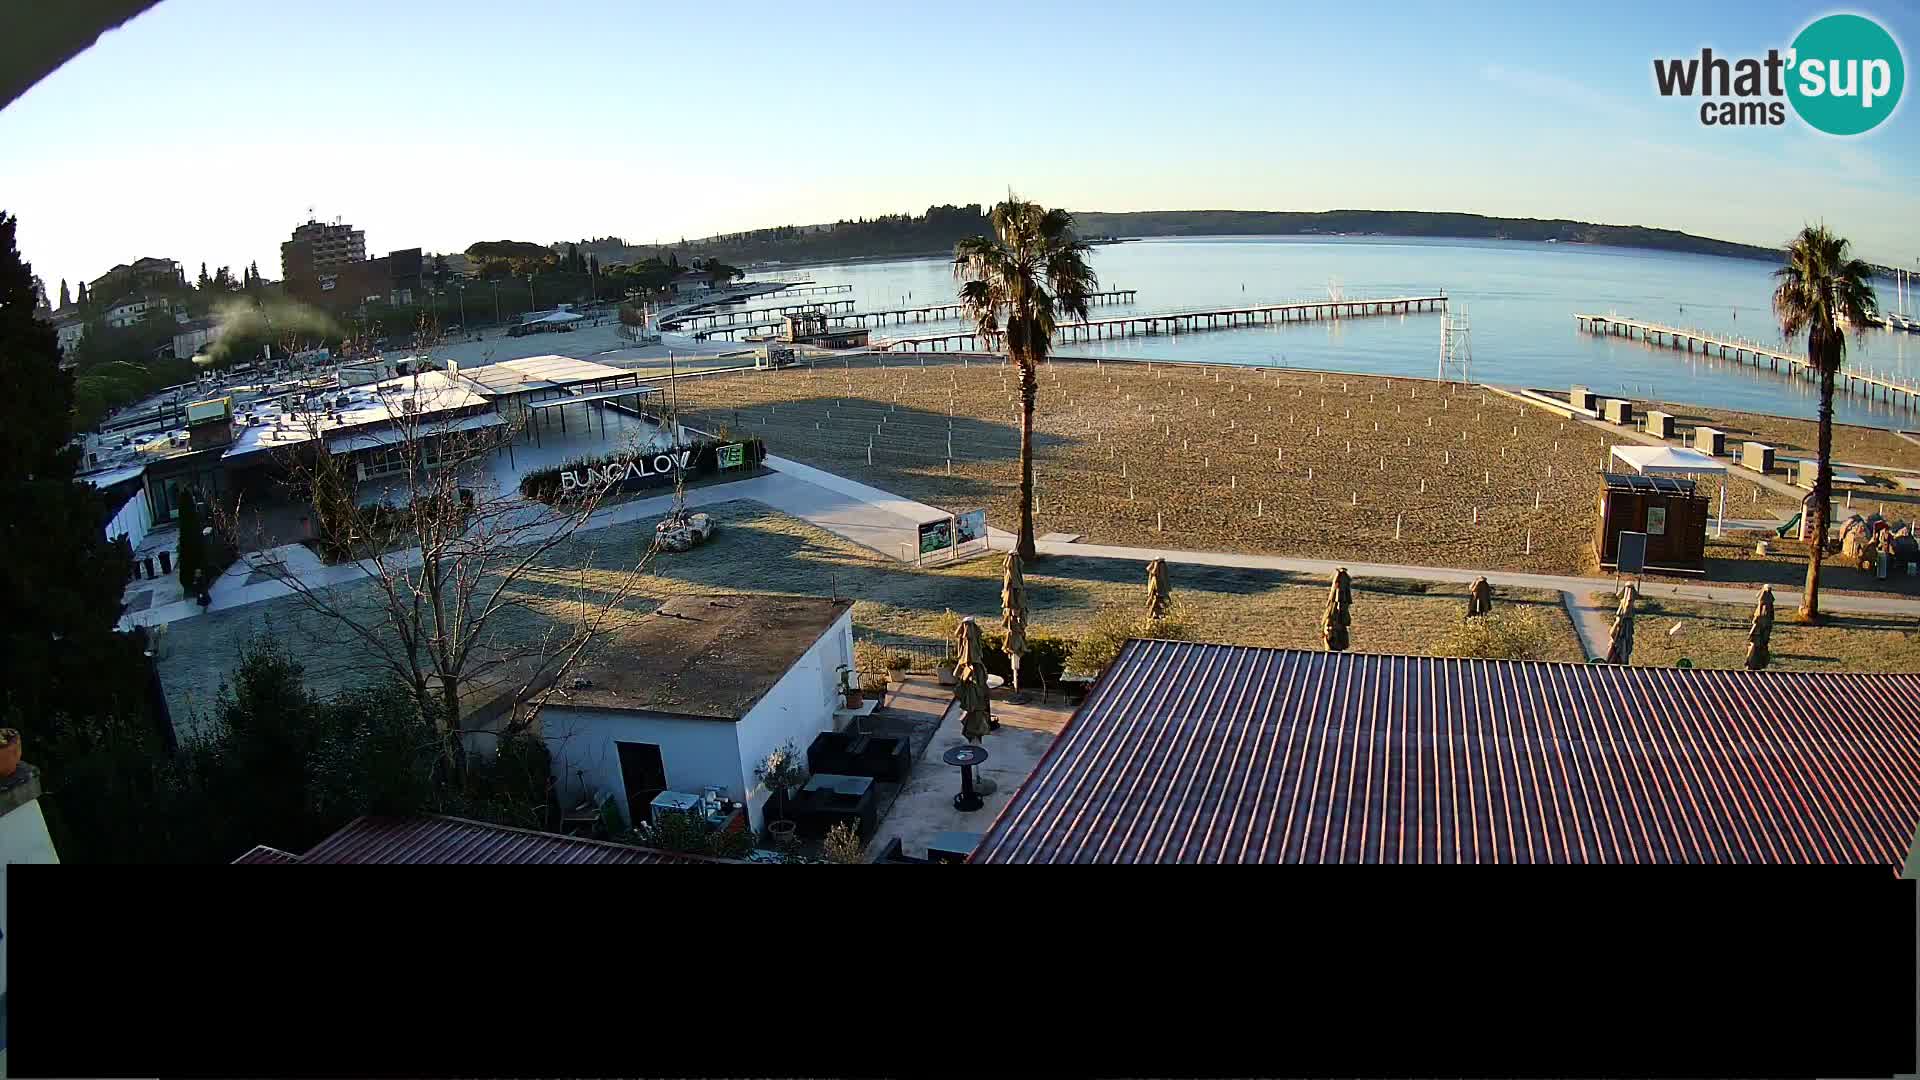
[(696, 695), (1188, 752)]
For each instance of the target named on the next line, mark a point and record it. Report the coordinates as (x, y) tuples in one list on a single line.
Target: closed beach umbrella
[(1339, 613), (976, 716), (1620, 640), (1480, 598), (1013, 615), (1159, 596), (1760, 634)]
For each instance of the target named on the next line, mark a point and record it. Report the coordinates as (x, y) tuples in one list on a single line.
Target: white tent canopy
[(1675, 460), (1667, 460), (558, 317)]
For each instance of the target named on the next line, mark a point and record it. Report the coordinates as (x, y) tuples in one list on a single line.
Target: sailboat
[(1901, 319)]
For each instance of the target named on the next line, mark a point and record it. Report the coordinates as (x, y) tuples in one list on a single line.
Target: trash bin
[(166, 562), (1880, 566)]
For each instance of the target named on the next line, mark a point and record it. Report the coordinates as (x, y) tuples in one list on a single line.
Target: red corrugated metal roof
[(1219, 753), (436, 839), (261, 853)]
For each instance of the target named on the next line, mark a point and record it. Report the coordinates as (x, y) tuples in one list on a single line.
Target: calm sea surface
[(1520, 300)]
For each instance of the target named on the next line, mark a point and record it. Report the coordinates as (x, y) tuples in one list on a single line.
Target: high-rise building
[(317, 247)]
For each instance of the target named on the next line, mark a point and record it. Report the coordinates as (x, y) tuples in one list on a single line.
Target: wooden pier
[(943, 312), (1741, 350), (849, 317), (1179, 322), (812, 290), (728, 317)]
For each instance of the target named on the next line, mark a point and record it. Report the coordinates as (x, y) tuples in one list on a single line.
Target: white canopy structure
[(558, 317), (1667, 460), (1676, 460)]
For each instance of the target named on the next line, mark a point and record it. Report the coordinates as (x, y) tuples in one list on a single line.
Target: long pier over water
[(730, 316), (926, 313), (1176, 322), (1852, 381)]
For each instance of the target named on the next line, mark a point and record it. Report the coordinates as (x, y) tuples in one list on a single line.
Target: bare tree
[(471, 596)]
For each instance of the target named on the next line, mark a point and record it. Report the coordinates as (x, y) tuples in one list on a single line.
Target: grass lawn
[(1715, 635), (762, 551)]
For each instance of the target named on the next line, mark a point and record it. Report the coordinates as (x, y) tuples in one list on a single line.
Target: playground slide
[(1792, 526)]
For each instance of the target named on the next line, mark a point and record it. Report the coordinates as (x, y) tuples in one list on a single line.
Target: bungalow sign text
[(630, 471), (621, 471)]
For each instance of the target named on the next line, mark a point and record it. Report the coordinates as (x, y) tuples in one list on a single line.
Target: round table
[(966, 756)]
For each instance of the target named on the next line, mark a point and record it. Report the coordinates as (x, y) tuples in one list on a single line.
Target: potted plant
[(949, 631), (782, 772), (850, 686), (9, 752)]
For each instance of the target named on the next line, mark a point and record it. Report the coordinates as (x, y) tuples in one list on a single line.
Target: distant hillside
[(1404, 223), (935, 231)]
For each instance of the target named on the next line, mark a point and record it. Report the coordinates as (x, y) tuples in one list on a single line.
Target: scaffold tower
[(1456, 344)]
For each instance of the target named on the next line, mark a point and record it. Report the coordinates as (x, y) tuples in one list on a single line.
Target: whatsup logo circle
[(1846, 74)]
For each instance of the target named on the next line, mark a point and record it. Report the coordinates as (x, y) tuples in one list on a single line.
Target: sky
[(204, 130)]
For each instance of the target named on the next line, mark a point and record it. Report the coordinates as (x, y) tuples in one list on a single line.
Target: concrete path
[(1714, 594)]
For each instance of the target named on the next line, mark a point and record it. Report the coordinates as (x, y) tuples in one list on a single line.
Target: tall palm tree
[(1018, 283), (1823, 291)]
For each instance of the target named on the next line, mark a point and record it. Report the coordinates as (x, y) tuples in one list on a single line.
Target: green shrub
[(688, 833), (1111, 627), (1502, 635), (1045, 659), (843, 845)]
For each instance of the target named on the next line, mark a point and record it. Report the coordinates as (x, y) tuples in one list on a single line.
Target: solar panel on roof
[(1637, 482)]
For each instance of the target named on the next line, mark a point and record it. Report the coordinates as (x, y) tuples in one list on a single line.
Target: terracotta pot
[(855, 698), (10, 753)]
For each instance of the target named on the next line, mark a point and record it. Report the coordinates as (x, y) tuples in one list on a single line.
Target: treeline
[(275, 763), (1416, 223), (890, 234)]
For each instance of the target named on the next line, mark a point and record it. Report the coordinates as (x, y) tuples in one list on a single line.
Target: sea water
[(1520, 299)]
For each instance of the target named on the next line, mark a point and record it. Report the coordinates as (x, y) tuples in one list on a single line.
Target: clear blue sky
[(204, 129)]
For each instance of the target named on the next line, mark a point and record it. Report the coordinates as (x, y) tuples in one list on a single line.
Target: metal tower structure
[(1456, 345)]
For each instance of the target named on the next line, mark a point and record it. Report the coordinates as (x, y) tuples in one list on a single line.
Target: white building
[(69, 327), (134, 309), (692, 283), (192, 335), (696, 695)]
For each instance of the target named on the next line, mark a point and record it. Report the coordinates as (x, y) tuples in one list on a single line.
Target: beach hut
[(1652, 495)]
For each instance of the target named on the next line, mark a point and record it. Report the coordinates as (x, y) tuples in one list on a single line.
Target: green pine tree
[(60, 577)]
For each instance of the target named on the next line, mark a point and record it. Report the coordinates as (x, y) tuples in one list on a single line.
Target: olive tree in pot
[(948, 627), (782, 771)]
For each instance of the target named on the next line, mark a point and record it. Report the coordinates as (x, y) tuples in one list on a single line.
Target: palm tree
[(1822, 291), (1018, 283)]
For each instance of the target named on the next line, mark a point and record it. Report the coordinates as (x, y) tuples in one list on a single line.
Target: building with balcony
[(317, 246)]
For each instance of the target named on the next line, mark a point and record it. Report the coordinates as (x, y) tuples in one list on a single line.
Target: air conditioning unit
[(673, 802)]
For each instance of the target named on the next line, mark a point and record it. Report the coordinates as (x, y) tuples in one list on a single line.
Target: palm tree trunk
[(1029, 390), (1822, 500)]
